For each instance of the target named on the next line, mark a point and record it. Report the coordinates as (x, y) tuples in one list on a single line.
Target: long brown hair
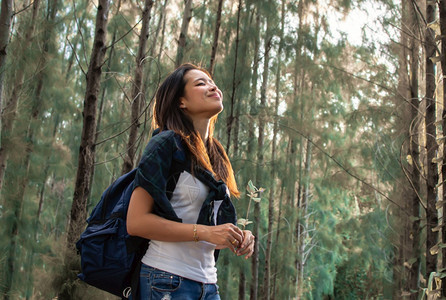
[(168, 115)]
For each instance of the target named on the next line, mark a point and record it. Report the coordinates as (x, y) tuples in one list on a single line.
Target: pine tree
[(137, 89), (414, 280), (182, 40), (230, 117), (431, 146), (442, 11), (5, 26), (87, 147), (216, 34), (266, 286)]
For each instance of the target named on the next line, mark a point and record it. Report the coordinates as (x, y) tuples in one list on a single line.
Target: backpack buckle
[(127, 292)]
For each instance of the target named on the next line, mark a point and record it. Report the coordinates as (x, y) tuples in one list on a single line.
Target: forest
[(345, 136)]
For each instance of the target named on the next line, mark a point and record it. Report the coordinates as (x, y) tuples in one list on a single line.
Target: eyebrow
[(204, 79)]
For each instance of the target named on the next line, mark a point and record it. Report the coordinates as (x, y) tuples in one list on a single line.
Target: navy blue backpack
[(110, 257)]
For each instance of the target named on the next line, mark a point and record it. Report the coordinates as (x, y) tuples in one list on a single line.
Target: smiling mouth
[(215, 96)]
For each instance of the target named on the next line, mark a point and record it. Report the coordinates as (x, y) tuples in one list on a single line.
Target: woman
[(182, 190)]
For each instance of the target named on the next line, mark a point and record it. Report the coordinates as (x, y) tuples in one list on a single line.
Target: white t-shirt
[(192, 260)]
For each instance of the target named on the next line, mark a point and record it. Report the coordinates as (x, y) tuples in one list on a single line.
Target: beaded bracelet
[(196, 239)]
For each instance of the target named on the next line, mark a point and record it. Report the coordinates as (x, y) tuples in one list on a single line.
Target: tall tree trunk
[(163, 34), (45, 177), (230, 118), (10, 108), (103, 93), (442, 9), (182, 40), (203, 21), (276, 266), (253, 97), (217, 32), (242, 78), (5, 27), (267, 274), (78, 212), (161, 13), (403, 93), (431, 145), (414, 274), (253, 93), (303, 222), (242, 286), (260, 159), (405, 274), (137, 89)]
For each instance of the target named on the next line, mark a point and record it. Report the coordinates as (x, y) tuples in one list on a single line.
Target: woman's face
[(201, 98)]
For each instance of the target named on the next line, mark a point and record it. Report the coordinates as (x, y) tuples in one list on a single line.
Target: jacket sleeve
[(153, 171)]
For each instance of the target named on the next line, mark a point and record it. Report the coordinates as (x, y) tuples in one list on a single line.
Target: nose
[(213, 87)]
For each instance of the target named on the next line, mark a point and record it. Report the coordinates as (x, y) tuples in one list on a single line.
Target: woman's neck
[(202, 126)]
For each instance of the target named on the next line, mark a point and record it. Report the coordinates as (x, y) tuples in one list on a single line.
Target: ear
[(182, 102)]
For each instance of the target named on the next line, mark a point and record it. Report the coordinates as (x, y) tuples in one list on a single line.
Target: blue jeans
[(156, 284)]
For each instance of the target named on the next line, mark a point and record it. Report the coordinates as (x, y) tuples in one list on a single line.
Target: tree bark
[(5, 27), (431, 145), (137, 89), (182, 40), (303, 222), (163, 33), (276, 239), (103, 93), (414, 274), (161, 13), (442, 9), (230, 118), (406, 260), (253, 93), (78, 212), (242, 285), (217, 32)]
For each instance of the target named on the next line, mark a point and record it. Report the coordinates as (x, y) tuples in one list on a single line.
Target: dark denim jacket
[(164, 158)]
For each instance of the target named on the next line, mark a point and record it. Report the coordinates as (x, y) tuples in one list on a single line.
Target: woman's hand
[(223, 236), (247, 245)]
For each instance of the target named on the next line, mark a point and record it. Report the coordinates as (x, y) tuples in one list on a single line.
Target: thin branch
[(79, 30), (420, 13), (120, 155), (75, 55), (124, 35), (22, 10)]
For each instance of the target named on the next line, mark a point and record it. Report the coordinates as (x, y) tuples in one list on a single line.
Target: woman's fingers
[(230, 236), (227, 235), (235, 238), (247, 246)]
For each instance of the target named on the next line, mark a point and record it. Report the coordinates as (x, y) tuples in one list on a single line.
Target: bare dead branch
[(75, 55), (22, 10), (125, 34), (79, 30)]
